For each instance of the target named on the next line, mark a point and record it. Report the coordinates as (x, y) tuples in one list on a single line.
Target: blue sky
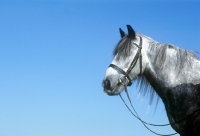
[(54, 54)]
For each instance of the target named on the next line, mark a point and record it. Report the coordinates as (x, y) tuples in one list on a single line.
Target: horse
[(161, 69)]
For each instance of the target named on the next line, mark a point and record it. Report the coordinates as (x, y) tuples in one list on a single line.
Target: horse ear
[(131, 32), (122, 33)]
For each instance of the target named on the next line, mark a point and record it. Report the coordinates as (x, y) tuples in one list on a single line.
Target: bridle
[(137, 57)]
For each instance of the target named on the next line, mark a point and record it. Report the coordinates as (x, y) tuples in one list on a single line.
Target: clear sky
[(54, 54)]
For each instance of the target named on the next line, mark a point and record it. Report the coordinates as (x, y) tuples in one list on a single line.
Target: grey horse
[(163, 69)]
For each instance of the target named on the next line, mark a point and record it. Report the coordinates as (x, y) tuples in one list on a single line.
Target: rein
[(126, 75), (145, 123)]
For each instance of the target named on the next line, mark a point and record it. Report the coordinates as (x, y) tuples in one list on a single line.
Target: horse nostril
[(106, 84)]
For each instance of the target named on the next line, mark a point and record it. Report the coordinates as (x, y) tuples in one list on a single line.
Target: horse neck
[(164, 72)]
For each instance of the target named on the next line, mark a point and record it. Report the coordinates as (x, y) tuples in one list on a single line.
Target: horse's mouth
[(109, 92), (112, 92)]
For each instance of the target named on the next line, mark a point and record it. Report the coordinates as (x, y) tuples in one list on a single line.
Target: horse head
[(127, 64)]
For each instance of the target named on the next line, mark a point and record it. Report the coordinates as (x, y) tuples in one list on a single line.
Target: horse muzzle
[(113, 90)]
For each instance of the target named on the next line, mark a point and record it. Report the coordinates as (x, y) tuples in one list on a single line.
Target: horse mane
[(163, 55)]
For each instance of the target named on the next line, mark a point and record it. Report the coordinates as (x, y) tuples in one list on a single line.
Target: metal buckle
[(124, 84)]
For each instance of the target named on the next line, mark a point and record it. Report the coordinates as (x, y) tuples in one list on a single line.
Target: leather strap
[(121, 71)]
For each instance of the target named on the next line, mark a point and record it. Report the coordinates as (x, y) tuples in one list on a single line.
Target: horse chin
[(115, 91)]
